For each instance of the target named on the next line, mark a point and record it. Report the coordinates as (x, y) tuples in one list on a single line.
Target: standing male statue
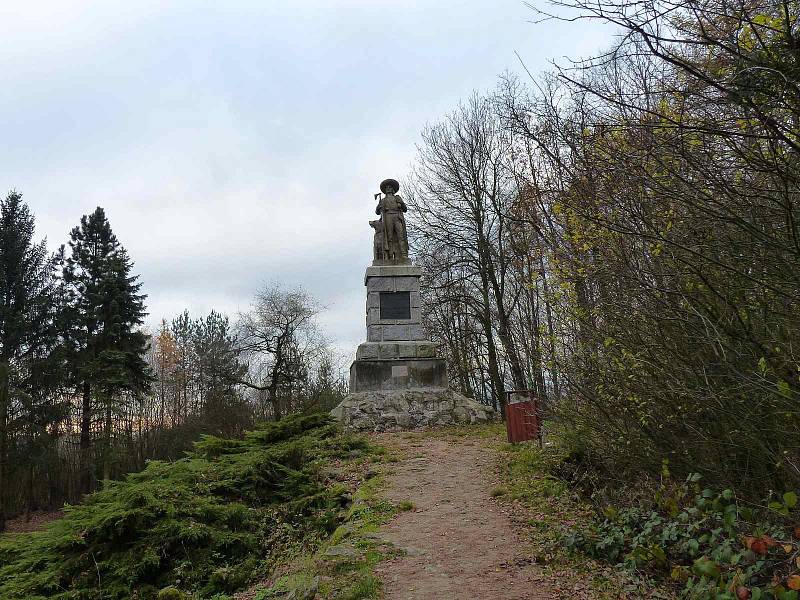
[(391, 208)]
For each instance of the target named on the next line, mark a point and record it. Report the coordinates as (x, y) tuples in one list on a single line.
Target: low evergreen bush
[(205, 525)]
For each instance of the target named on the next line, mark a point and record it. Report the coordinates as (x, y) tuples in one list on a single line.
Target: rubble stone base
[(395, 410)]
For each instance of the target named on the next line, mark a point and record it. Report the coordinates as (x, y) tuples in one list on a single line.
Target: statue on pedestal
[(393, 223), (397, 381)]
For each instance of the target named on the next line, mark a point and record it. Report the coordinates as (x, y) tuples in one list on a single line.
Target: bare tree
[(279, 336)]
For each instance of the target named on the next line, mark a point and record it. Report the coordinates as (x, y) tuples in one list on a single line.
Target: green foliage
[(104, 311), (498, 491), (530, 477), (28, 338), (171, 593), (206, 524), (405, 505), (103, 344), (366, 586), (707, 542)]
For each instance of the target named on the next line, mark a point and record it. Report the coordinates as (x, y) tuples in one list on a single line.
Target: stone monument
[(396, 380)]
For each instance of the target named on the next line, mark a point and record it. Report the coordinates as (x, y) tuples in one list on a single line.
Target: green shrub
[(405, 505), (706, 542), (498, 491), (209, 523), (171, 593)]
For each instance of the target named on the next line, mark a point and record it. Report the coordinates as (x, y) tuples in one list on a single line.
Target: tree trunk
[(273, 396), (514, 362), (86, 439), (498, 389), (30, 502), (551, 335), (107, 450), (3, 441), (503, 324), (275, 378)]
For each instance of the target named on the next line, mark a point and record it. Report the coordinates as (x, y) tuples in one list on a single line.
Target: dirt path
[(459, 542)]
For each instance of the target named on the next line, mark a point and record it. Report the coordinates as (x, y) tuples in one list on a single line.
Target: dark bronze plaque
[(395, 305)]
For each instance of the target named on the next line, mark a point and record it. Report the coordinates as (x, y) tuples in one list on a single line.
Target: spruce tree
[(222, 407), (27, 334), (107, 348)]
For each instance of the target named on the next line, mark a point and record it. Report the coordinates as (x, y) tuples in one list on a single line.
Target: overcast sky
[(240, 142)]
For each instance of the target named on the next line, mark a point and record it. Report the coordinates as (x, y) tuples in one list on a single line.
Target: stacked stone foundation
[(396, 410)]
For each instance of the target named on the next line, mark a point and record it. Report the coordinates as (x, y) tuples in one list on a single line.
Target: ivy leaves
[(700, 541)]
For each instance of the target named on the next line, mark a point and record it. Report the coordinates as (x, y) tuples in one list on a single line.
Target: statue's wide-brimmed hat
[(389, 182)]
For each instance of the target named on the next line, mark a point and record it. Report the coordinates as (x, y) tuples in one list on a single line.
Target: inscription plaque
[(395, 305), (401, 371)]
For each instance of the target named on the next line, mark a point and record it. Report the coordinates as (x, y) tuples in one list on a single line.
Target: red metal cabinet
[(522, 421)]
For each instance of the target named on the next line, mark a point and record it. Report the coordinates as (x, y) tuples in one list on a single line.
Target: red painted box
[(522, 421)]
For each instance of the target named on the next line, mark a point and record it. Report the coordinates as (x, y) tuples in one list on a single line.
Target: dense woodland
[(87, 394), (622, 236)]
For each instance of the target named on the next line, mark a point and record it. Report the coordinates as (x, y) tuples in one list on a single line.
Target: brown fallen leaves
[(793, 582), (760, 545), (743, 593)]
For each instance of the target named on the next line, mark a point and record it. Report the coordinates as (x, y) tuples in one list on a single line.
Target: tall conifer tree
[(27, 333), (106, 346)]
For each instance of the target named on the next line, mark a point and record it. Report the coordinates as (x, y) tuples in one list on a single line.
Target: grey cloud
[(240, 142)]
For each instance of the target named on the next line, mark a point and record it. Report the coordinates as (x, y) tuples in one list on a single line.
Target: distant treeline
[(87, 394), (622, 236)]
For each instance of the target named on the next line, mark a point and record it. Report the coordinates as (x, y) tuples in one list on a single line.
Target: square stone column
[(397, 353)]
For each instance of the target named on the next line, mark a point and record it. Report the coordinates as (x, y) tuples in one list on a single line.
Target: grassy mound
[(207, 524)]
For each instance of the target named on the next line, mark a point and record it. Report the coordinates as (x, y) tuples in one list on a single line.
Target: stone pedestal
[(397, 354), (375, 375), (396, 380)]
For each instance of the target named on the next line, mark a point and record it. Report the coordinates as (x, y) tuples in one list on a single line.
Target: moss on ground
[(343, 567)]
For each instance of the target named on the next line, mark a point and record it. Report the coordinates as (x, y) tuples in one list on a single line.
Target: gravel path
[(459, 542)]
